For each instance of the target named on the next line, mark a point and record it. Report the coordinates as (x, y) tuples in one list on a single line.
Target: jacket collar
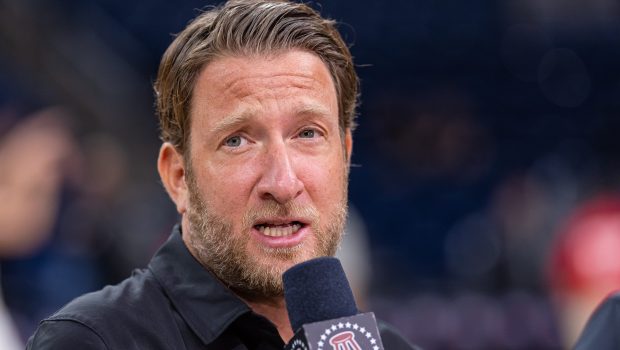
[(202, 300)]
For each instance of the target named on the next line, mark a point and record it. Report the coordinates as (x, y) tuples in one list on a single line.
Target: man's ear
[(348, 144), (171, 169)]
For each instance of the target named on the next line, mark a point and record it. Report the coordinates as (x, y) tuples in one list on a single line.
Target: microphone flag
[(357, 332)]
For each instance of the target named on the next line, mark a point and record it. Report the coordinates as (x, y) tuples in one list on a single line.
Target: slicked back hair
[(245, 28)]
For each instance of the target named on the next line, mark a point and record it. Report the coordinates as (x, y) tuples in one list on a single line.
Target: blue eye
[(234, 141), (308, 133)]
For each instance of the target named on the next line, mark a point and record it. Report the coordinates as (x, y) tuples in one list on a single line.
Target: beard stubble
[(227, 254)]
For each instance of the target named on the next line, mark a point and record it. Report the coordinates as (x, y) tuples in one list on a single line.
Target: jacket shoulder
[(135, 309), (135, 294), (65, 334)]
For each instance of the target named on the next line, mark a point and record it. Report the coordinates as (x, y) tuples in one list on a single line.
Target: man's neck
[(274, 311)]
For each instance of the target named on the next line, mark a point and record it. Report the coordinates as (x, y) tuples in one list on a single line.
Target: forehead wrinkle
[(243, 86)]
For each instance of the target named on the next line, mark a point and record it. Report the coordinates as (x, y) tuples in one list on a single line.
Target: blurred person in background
[(584, 266), (354, 254), (57, 196), (34, 155)]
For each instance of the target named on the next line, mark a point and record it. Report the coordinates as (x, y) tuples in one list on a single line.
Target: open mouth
[(279, 230)]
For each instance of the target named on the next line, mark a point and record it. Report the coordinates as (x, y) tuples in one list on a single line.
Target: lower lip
[(282, 241)]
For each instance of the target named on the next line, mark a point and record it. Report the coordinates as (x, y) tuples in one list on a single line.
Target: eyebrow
[(234, 120), (314, 110), (231, 122)]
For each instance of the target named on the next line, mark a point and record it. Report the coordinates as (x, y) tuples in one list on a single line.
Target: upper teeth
[(279, 231)]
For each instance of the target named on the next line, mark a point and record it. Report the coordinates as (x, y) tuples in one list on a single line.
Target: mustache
[(272, 209)]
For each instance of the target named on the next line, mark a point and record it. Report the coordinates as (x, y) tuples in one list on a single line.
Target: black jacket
[(172, 304)]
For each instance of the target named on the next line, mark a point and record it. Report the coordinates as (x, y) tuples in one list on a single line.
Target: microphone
[(322, 310)]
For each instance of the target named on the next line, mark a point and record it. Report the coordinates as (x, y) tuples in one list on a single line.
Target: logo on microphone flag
[(341, 336), (344, 341), (358, 332)]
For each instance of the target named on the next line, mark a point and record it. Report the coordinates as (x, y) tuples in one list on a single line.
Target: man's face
[(267, 168)]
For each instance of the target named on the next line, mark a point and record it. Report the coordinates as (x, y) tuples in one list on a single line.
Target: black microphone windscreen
[(317, 290)]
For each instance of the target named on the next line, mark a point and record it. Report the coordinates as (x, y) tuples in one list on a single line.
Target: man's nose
[(279, 181)]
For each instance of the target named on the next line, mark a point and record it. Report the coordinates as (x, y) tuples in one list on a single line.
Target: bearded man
[(256, 102)]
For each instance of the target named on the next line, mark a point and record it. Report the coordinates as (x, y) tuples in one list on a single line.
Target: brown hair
[(248, 27)]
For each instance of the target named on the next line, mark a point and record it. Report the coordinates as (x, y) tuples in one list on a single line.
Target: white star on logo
[(340, 325), (328, 332), (368, 335), (323, 337), (375, 348), (334, 327), (321, 343), (355, 326), (373, 341), (363, 330), (348, 324)]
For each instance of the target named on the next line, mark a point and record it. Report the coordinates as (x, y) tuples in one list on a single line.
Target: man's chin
[(260, 282), (283, 260), (262, 278)]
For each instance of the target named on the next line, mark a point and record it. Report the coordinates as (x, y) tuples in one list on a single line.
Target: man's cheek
[(225, 185)]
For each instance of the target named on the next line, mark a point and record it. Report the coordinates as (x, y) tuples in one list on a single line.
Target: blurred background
[(485, 197)]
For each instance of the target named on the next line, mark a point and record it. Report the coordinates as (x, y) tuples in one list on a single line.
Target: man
[(256, 101)]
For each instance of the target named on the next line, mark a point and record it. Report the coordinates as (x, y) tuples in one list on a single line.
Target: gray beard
[(225, 253)]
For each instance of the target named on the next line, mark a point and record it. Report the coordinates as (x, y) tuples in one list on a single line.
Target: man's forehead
[(239, 87), (237, 71)]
